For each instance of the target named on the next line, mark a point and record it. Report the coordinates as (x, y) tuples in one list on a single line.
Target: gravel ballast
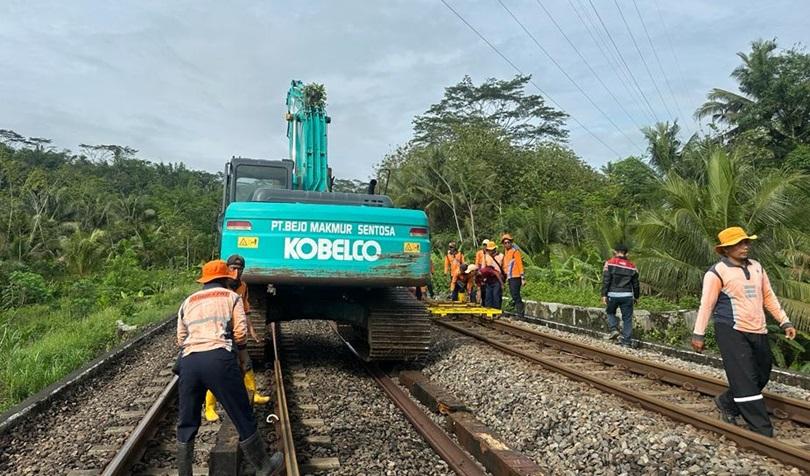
[(774, 387), (572, 428), (369, 433)]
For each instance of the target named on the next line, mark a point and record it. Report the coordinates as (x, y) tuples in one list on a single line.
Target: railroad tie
[(314, 465)]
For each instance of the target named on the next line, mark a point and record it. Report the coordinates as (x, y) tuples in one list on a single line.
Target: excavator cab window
[(250, 178)]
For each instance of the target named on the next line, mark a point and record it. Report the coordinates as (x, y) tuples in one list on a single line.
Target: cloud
[(199, 82)]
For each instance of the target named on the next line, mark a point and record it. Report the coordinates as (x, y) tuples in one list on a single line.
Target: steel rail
[(782, 407), (286, 439), (768, 446), (455, 457), (135, 445)]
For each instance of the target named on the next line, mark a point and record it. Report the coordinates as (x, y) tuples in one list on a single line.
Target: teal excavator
[(312, 253)]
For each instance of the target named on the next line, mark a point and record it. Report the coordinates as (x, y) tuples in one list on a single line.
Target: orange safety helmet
[(216, 269), (506, 236)]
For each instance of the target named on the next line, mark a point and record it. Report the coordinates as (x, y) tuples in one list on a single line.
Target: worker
[(452, 263), (735, 291), (490, 277), (419, 291), (513, 266), (479, 255), (479, 261), (464, 283), (620, 290), (236, 263), (211, 326)]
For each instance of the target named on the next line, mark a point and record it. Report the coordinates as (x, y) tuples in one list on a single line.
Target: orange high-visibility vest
[(513, 263)]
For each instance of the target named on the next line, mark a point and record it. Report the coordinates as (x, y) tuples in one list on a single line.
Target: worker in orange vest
[(479, 255), (211, 326), (452, 263), (236, 264), (513, 269)]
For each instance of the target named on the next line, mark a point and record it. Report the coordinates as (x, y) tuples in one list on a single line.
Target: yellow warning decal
[(412, 247), (248, 242)]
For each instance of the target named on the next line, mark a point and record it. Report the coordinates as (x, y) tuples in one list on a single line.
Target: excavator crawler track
[(397, 328)]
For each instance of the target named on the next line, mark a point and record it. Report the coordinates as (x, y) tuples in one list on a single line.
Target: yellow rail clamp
[(442, 309)]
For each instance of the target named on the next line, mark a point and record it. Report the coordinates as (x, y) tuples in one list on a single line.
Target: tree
[(774, 97), (636, 182), (502, 105), (678, 239)]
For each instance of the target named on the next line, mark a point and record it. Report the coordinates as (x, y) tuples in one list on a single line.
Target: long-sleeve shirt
[(210, 319), (242, 291), (513, 263), (738, 295), (453, 262)]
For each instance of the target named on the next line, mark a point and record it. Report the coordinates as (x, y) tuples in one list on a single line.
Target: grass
[(42, 344)]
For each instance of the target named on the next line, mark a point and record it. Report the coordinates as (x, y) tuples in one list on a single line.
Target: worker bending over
[(211, 325)]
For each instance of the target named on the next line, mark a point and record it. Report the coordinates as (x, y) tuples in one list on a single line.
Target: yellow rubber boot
[(210, 406), (250, 385)]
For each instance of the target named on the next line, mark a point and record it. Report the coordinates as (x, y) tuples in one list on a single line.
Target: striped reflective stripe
[(748, 399)]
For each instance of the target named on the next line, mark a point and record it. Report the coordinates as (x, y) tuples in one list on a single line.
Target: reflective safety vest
[(513, 263)]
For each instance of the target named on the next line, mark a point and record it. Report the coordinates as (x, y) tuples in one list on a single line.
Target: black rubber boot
[(254, 451), (185, 458), (521, 310)]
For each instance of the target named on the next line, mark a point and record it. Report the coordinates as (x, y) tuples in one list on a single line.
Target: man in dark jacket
[(620, 290)]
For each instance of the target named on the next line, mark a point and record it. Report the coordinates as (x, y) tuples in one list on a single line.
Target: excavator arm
[(306, 132)]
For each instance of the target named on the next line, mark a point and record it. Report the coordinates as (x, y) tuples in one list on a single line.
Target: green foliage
[(314, 95), (24, 288), (678, 239), (503, 105), (774, 98), (785, 352), (41, 344)]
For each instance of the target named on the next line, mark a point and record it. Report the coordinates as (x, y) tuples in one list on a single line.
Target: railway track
[(149, 430), (681, 395)]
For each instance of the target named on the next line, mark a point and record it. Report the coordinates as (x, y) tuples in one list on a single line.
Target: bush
[(41, 345), (23, 288)]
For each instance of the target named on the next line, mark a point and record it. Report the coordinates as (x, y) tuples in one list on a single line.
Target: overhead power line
[(658, 60), (621, 57), (587, 63), (520, 72), (610, 56), (565, 73), (643, 61), (674, 55)]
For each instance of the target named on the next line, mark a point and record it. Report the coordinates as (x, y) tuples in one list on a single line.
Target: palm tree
[(542, 228), (678, 239), (664, 145)]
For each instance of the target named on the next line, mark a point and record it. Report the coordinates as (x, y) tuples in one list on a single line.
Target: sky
[(200, 81)]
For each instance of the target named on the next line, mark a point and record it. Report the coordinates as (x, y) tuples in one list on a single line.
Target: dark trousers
[(514, 290), (216, 370), (626, 306), (747, 361), (493, 295), (483, 291), (460, 287)]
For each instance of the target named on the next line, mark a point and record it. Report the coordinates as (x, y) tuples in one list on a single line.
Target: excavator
[(312, 253)]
